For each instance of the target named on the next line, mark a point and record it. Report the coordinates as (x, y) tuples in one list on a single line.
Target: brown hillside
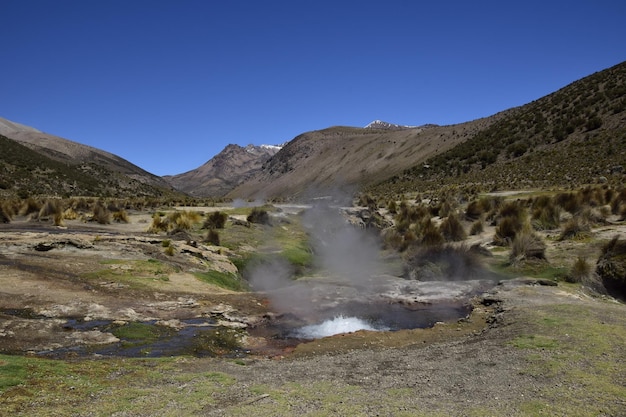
[(352, 157)]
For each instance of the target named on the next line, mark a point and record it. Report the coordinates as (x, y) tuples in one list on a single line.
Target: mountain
[(338, 157), (379, 124), (34, 162), (218, 176), (574, 136)]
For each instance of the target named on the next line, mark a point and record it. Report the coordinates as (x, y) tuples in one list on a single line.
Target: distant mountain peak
[(379, 124)]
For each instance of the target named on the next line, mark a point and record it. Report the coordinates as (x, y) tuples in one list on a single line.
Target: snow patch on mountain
[(379, 124)]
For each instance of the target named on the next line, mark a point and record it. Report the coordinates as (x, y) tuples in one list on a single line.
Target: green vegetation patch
[(222, 279), (132, 272), (136, 332), (581, 348)]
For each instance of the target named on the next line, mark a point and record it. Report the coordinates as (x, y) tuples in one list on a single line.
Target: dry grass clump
[(431, 236), (575, 228), (30, 206), (482, 207), (477, 228), (70, 214), (173, 222), (444, 262), (611, 267), (159, 224), (452, 229), (120, 216), (259, 216), (545, 214), (213, 237), (52, 208), (5, 213), (581, 271), (215, 220), (570, 202), (527, 245), (101, 213)]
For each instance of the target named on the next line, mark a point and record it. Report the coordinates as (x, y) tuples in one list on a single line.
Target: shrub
[(158, 224), (444, 262), (581, 271), (546, 217), (474, 210), (30, 206), (527, 245), (52, 208), (477, 228), (431, 236), (570, 202), (101, 214), (213, 237), (452, 229), (575, 228), (258, 216), (70, 214), (120, 216), (215, 220), (169, 250), (5, 216), (507, 229), (611, 267)]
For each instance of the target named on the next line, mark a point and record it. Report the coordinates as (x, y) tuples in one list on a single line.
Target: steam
[(347, 258), (342, 250)]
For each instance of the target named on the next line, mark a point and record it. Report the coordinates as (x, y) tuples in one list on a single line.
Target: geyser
[(336, 325)]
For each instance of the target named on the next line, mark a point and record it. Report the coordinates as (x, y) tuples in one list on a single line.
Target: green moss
[(222, 279), (137, 332)]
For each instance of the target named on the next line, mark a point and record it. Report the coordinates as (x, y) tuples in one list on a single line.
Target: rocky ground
[(525, 348)]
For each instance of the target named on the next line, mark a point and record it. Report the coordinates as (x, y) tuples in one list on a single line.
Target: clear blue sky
[(168, 84)]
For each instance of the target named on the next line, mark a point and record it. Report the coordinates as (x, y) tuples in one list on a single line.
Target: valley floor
[(526, 349)]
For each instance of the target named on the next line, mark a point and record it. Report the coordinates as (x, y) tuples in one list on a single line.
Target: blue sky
[(168, 84)]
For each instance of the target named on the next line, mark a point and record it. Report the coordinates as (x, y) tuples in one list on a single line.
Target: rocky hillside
[(350, 157), (574, 136), (33, 163), (217, 177)]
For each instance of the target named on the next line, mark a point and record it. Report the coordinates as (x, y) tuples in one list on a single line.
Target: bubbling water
[(337, 325)]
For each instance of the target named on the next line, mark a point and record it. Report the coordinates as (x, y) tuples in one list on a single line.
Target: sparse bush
[(527, 245), (70, 214), (213, 237), (475, 209), (5, 216), (215, 220), (575, 228), (444, 262), (259, 216), (581, 271), (120, 216), (52, 208), (431, 236), (158, 224), (611, 267), (30, 206), (570, 202), (545, 214), (506, 231), (452, 229), (101, 214), (477, 228)]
